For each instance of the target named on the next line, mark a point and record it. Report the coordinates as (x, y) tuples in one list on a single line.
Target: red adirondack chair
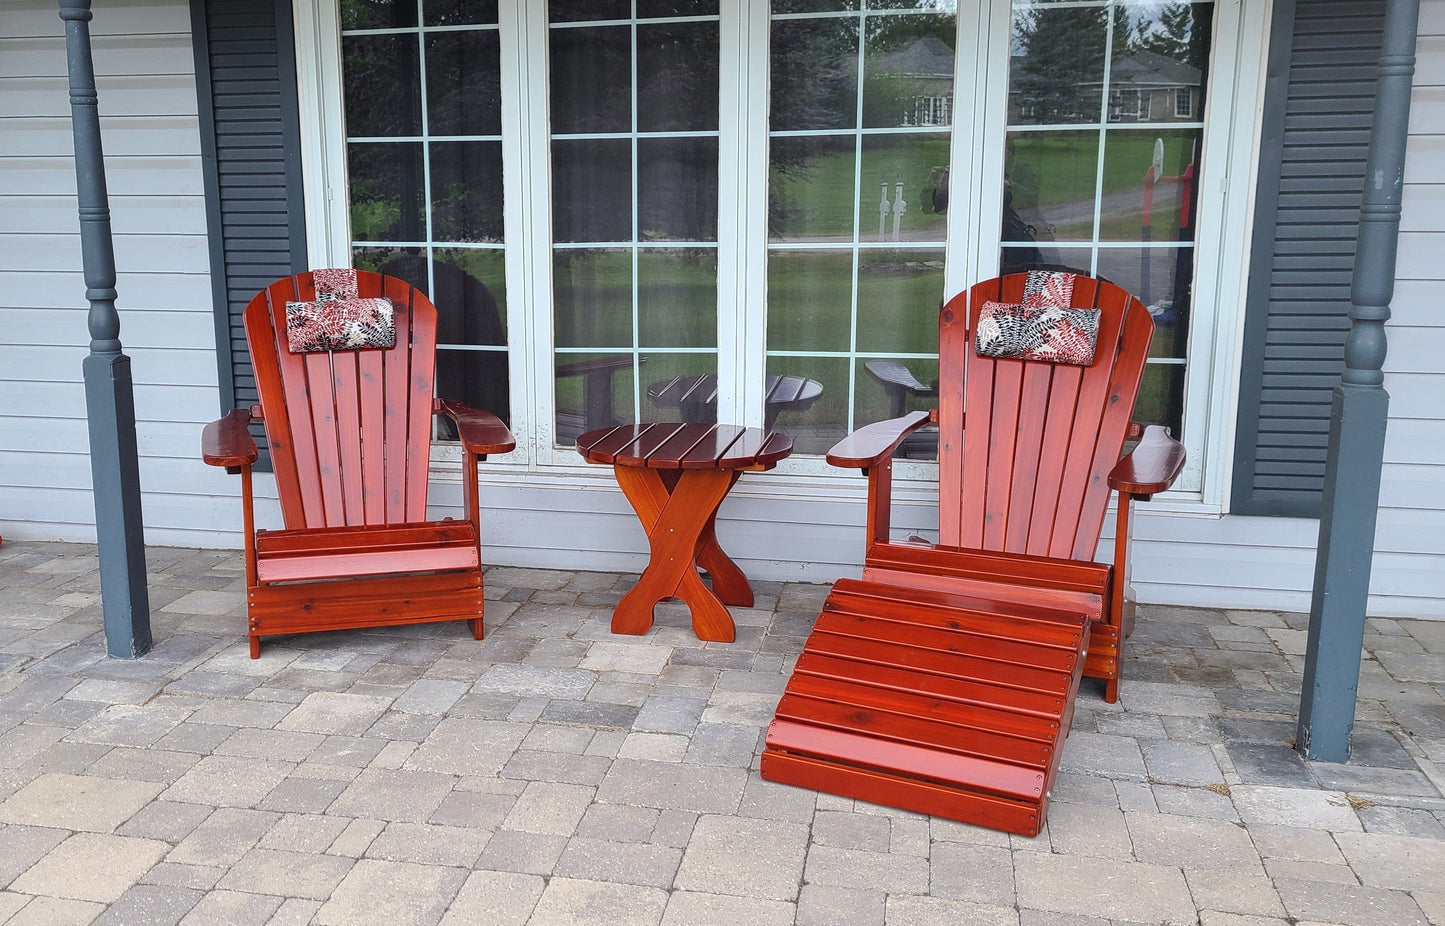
[(349, 434), (943, 681)]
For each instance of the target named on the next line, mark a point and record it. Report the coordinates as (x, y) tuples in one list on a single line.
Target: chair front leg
[(880, 502), (1121, 596)]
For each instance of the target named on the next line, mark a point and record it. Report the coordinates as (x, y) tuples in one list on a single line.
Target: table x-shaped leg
[(678, 509)]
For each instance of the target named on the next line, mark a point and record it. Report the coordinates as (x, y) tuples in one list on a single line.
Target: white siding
[(145, 78)]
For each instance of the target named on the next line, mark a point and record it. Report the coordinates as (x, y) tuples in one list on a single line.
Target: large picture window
[(751, 211)]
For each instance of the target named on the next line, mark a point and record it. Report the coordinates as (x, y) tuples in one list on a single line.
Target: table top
[(685, 446), (793, 392)]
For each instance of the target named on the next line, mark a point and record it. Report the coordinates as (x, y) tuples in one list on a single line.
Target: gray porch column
[(109, 397), (1357, 418)]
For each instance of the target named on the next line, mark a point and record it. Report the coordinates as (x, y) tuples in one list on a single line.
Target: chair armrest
[(870, 445), (480, 432), (1150, 467), (227, 442)]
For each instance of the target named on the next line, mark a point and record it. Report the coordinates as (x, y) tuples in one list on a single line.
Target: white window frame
[(1184, 95), (979, 110)]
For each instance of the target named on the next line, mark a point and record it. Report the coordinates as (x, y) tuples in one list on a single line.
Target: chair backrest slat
[(1026, 446), (349, 431)]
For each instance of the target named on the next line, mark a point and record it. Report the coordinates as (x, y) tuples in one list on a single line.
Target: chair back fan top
[(349, 430), (1031, 477)]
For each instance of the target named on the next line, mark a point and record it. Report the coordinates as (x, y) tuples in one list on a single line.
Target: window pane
[(819, 427), (660, 373), (565, 11), (592, 190), (677, 189), (592, 298), (899, 295), (387, 192), (1131, 184), (377, 14), (591, 80), (1161, 278), (903, 172), (1057, 72), (677, 77), (814, 6), (460, 12), (380, 80), (908, 71), (647, 9), (463, 80), (878, 399), (811, 188), (1161, 397), (1165, 56), (1049, 183), (677, 297), (466, 189), (814, 74), (810, 299), (592, 391)]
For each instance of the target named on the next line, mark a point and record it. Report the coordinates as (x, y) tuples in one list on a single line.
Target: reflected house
[(1145, 86), (926, 65)]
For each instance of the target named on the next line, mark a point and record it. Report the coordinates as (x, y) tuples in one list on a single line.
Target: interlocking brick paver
[(309, 875), (834, 905), (915, 910), (735, 855), (688, 908), (526, 853), (1191, 842), (1350, 904), (56, 911), (223, 838), (572, 902), (234, 908), (671, 786), (1234, 890), (77, 802), (386, 893), (596, 859), (151, 905), (1402, 862), (496, 898), (228, 781), (1120, 890), (91, 866)]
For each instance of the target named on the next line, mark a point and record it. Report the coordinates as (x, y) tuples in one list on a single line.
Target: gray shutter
[(1320, 95), (250, 149)]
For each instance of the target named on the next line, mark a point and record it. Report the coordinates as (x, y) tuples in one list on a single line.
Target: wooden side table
[(676, 476)]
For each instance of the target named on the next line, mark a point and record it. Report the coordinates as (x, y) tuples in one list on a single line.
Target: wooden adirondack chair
[(349, 434), (943, 681)]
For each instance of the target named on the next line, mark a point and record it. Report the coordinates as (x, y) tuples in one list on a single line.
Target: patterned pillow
[(338, 319), (1043, 327)]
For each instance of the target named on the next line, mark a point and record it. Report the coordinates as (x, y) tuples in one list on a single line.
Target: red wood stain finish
[(349, 433), (675, 476), (944, 681)]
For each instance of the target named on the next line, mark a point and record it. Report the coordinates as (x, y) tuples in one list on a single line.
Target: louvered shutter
[(1320, 96), (250, 146)]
